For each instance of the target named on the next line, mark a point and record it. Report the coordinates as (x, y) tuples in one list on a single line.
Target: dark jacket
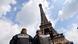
[(21, 39), (36, 40), (44, 39)]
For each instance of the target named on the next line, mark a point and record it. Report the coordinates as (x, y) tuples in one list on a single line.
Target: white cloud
[(5, 7), (69, 9), (29, 16), (30, 12), (7, 30), (72, 33), (67, 1), (13, 2)]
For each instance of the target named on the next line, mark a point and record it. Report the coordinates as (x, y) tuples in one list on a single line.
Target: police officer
[(36, 38), (41, 38), (22, 38)]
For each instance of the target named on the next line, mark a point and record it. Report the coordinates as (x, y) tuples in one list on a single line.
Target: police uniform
[(21, 39), (45, 39)]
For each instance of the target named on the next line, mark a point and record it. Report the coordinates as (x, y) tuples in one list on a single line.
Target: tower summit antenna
[(44, 20)]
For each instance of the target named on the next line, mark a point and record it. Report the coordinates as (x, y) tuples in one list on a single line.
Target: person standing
[(22, 38), (36, 38), (41, 38)]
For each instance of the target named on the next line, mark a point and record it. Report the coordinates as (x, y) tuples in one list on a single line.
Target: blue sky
[(15, 14)]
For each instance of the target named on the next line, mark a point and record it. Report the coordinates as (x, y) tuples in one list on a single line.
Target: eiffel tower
[(46, 28)]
